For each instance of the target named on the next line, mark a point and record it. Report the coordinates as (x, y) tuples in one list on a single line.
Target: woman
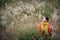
[(44, 28)]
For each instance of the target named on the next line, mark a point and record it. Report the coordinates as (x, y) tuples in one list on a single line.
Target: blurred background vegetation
[(19, 19)]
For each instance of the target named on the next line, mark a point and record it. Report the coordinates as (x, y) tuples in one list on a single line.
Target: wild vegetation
[(19, 18)]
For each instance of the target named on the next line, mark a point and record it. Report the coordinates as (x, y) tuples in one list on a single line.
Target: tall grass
[(29, 33)]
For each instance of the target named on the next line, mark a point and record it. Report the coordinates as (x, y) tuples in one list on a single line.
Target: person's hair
[(47, 18)]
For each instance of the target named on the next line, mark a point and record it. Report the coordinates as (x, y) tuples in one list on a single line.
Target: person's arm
[(49, 29), (39, 29)]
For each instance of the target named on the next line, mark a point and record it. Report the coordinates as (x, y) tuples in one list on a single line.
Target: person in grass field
[(44, 28)]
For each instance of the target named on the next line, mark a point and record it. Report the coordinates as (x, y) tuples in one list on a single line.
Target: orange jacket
[(49, 29)]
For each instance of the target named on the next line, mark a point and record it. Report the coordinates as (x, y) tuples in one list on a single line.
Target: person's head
[(46, 19)]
